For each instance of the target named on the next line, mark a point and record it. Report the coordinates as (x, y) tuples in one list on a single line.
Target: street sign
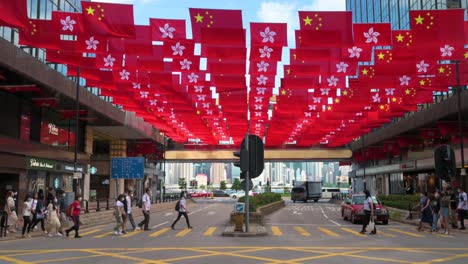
[(240, 207), (128, 168), (243, 183)]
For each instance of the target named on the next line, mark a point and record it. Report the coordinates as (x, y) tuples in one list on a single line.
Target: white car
[(239, 194)]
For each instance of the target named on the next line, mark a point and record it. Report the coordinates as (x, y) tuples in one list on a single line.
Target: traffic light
[(195, 183), (252, 159), (444, 159)]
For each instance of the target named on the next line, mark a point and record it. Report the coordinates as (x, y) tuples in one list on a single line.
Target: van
[(298, 194)]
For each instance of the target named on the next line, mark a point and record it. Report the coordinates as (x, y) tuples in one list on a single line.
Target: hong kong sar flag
[(109, 19)]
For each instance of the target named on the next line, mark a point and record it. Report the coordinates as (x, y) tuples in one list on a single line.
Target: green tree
[(182, 184), (236, 185), (202, 187), (222, 185)]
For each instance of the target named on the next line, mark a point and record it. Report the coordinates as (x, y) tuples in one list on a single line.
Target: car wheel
[(294, 201), (353, 219), (305, 200), (385, 222), (234, 197)]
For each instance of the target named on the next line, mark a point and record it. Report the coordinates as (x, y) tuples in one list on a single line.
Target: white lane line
[(334, 222), (195, 211), (211, 213), (167, 214), (323, 212), (158, 225)]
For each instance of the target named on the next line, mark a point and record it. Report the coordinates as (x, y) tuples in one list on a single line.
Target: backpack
[(177, 206), (69, 211)]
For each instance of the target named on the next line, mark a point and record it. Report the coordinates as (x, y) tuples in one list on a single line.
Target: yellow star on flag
[(381, 56), (382, 107), (329, 108), (199, 18), (407, 91), (400, 38), (422, 82), (345, 93), (394, 99), (466, 55), (90, 10), (441, 69), (419, 20), (365, 71), (337, 100), (307, 21), (283, 92)]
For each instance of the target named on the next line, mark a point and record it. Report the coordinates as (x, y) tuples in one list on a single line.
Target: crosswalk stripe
[(210, 231), (302, 231), (328, 232), (104, 235), (160, 232), (405, 232), (385, 234), (352, 231), (183, 232), (134, 233), (90, 232), (276, 231)]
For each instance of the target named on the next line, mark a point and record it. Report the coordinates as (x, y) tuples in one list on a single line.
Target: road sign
[(240, 207), (128, 168)]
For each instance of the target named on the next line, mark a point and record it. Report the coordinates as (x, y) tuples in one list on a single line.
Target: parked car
[(200, 194), (241, 194), (353, 209), (220, 193)]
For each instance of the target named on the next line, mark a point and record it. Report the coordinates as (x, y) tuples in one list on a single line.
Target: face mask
[(55, 200), (79, 199), (131, 195)]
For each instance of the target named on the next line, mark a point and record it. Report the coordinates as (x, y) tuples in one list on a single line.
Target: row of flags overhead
[(342, 80)]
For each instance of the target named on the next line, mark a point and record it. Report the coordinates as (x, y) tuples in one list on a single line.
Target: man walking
[(462, 207), (128, 209), (182, 211), (146, 206)]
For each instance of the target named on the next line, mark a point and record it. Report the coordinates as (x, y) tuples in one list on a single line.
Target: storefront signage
[(128, 168), (37, 163)]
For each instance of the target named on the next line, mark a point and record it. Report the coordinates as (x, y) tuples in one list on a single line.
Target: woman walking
[(39, 212), (118, 213), (53, 222), (11, 211), (445, 211), (368, 213), (27, 208), (182, 211), (426, 212), (75, 216), (435, 206)]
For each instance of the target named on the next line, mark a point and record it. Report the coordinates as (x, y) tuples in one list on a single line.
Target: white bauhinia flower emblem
[(355, 52), (262, 80), (263, 66), (268, 35), (160, 109), (312, 107), (332, 81), (258, 99), (144, 94), (341, 67), (376, 98), (206, 105), (136, 86), (325, 91), (389, 91), (422, 66), (153, 102), (209, 112), (185, 64), (199, 89), (261, 90), (178, 49), (371, 36), (317, 100), (308, 114), (265, 52), (193, 78), (167, 31), (109, 61), (91, 43), (124, 75), (447, 51), (201, 97), (404, 80), (258, 107), (67, 24)]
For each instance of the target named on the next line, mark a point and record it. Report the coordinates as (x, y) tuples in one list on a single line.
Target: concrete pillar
[(118, 149), (88, 148)]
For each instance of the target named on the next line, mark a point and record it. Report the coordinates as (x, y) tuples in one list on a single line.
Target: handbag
[(40, 216), (371, 225)]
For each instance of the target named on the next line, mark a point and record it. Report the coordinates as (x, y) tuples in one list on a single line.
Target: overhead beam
[(275, 154)]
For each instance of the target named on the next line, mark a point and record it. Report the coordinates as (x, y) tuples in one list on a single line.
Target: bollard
[(97, 205), (212, 195), (239, 227)]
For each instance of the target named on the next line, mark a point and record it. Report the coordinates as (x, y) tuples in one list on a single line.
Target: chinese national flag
[(375, 34), (109, 19), (14, 13), (332, 24), (269, 34), (213, 18), (37, 34), (231, 53), (403, 45), (71, 58), (166, 29), (67, 23)]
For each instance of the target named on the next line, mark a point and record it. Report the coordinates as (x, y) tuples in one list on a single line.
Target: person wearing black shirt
[(435, 206), (453, 207)]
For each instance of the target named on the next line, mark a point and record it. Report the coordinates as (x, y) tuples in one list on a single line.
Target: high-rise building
[(396, 11)]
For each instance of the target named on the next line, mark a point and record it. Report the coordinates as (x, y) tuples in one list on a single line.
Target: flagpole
[(460, 124), (77, 116)]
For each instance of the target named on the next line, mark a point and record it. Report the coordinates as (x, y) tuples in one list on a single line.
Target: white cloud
[(126, 1), (325, 5)]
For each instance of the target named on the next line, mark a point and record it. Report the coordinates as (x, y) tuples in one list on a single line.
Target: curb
[(260, 231)]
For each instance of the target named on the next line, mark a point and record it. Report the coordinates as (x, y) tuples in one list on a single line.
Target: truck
[(306, 190)]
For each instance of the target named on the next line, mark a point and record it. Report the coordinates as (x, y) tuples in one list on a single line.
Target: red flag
[(108, 19), (213, 18), (178, 49), (227, 53), (165, 29), (265, 53), (403, 44), (375, 34), (332, 24), (71, 58), (37, 34), (68, 23), (271, 34), (109, 61), (14, 13)]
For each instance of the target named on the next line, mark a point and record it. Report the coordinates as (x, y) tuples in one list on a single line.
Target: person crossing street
[(182, 211)]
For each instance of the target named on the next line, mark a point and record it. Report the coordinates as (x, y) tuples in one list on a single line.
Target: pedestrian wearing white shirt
[(146, 206), (462, 207), (128, 208), (118, 212), (182, 211)]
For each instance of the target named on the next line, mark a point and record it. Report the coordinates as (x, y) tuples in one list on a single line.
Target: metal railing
[(106, 204)]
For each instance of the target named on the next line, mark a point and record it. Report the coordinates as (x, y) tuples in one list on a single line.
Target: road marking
[(211, 213), (90, 232), (134, 233), (183, 232), (210, 231), (104, 235), (160, 232), (352, 231), (195, 211), (328, 232), (302, 231), (276, 231), (158, 225), (296, 212), (168, 214), (12, 260), (334, 222), (405, 232), (385, 234)]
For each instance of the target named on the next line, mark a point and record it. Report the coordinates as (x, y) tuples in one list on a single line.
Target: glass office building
[(396, 11)]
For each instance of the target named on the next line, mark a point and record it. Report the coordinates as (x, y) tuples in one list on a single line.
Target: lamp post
[(77, 127), (460, 124)]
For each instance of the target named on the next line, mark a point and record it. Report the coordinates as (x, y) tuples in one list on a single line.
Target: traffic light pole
[(247, 188)]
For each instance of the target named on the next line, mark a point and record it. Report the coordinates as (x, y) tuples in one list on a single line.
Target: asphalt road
[(298, 233)]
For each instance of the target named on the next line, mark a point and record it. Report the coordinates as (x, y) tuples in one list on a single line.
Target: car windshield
[(298, 190), (359, 199)]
